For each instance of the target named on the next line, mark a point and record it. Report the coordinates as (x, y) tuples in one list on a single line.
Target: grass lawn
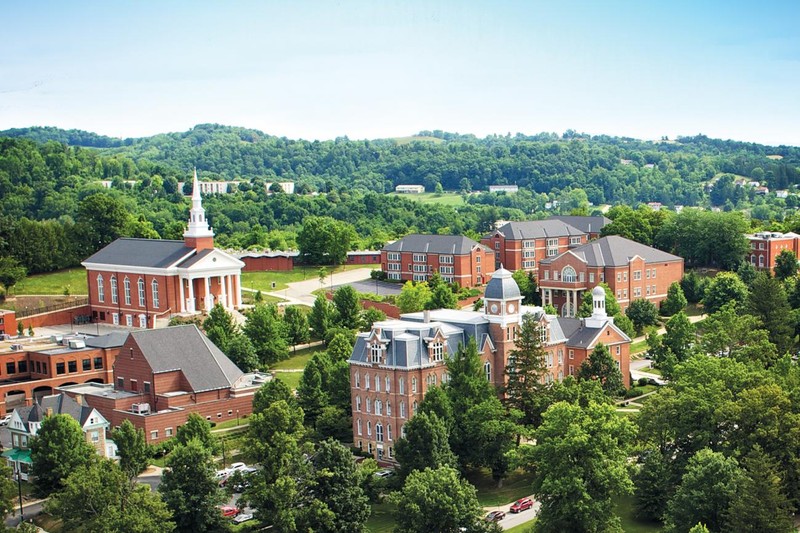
[(515, 486), (448, 198), (638, 390), (262, 281), (421, 138), (638, 347), (654, 370), (629, 523), (54, 283), (292, 379), (242, 421), (382, 518), (522, 528), (298, 361), (250, 298), (48, 523)]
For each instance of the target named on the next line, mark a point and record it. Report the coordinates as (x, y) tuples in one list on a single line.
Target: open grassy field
[(299, 360), (292, 379), (412, 138), (515, 486), (448, 198), (382, 518), (522, 528), (73, 279), (630, 524), (262, 281)]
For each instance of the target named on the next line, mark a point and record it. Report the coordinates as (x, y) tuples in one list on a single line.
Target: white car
[(237, 466), (5, 420), (242, 517)]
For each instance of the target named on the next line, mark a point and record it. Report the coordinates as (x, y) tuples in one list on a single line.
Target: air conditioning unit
[(75, 344), (56, 338), (141, 408)]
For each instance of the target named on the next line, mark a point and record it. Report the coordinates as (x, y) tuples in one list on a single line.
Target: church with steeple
[(142, 283), (393, 365)]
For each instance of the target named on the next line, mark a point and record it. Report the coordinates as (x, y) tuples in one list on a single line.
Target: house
[(410, 189), (519, 245), (765, 247), (364, 257), (136, 282), (394, 364), (509, 189), (163, 375), (456, 258), (26, 421), (630, 269)]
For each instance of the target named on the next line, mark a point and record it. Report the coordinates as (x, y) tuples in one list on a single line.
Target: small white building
[(410, 189), (504, 188)]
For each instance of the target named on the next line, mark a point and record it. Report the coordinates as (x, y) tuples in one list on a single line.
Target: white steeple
[(198, 225), (599, 316)]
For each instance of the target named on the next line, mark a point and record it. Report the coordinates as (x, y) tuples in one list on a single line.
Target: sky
[(377, 69)]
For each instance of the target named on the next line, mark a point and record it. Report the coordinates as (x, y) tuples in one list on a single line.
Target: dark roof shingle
[(433, 244), (152, 253), (615, 251), (537, 229)]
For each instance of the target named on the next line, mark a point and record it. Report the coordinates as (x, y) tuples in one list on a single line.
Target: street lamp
[(237, 417)]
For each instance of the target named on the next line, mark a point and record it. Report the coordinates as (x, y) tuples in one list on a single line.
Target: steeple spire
[(198, 234)]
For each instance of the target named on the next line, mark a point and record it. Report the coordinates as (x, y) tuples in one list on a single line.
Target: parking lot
[(382, 288)]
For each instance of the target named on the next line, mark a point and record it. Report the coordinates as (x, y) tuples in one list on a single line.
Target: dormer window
[(375, 353), (542, 333), (437, 351)]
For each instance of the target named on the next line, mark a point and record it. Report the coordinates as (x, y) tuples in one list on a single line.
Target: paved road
[(639, 370), (515, 519), (300, 292), (382, 288)]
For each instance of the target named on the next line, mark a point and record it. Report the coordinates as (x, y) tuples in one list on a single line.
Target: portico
[(200, 292)]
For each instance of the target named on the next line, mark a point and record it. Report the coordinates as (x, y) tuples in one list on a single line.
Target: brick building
[(767, 245), (8, 322), (136, 282), (267, 261), (591, 226), (397, 361), (364, 257), (630, 269), (163, 375), (520, 245), (456, 258)]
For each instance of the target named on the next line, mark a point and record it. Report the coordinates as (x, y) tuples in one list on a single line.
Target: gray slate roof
[(502, 286), (186, 349), (115, 339), (433, 244), (61, 404), (537, 229), (585, 224), (152, 253), (615, 251)]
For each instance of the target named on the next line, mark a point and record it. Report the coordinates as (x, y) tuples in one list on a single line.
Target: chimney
[(79, 399), (49, 411), (426, 316)]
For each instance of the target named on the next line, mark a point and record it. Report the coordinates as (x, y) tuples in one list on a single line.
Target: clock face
[(493, 308), (511, 308)]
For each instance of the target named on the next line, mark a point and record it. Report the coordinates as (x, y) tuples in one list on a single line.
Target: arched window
[(753, 259), (379, 432), (358, 380), (402, 409), (377, 383), (140, 287), (369, 427), (358, 403), (487, 370), (403, 430), (415, 407), (378, 407), (114, 292), (568, 274), (389, 432), (413, 384), (358, 426), (388, 408), (375, 353), (388, 387), (366, 381), (154, 285), (101, 293), (402, 385), (437, 351), (369, 405), (127, 284)]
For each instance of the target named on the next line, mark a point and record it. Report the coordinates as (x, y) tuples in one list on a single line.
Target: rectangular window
[(10, 368), (154, 435), (44, 368), (529, 264), (618, 350), (575, 240), (22, 366), (95, 436), (648, 290), (394, 276), (654, 274), (393, 256), (73, 366), (529, 254), (146, 386), (624, 276), (135, 385), (496, 245), (38, 366), (580, 277), (572, 354), (477, 269), (168, 432), (477, 259), (571, 370), (60, 368), (86, 365), (420, 268), (546, 274), (98, 363), (419, 258), (637, 275), (602, 277), (647, 273), (394, 267), (419, 277), (528, 244), (619, 277), (446, 259), (591, 277)]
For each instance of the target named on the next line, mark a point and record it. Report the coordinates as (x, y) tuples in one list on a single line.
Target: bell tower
[(198, 234), (501, 308)]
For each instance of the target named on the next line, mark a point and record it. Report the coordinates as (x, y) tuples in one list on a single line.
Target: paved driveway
[(382, 288)]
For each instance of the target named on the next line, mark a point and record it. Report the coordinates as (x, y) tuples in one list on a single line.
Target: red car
[(228, 510), (521, 505), (495, 516)]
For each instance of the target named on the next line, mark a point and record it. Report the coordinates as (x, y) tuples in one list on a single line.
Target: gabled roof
[(60, 404), (433, 244), (585, 224), (115, 339), (151, 253), (186, 349), (537, 229), (615, 251)]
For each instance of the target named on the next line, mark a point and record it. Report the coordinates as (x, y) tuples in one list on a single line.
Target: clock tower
[(501, 307)]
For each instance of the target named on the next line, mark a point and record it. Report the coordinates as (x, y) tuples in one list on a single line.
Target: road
[(512, 519), (639, 370), (300, 292)]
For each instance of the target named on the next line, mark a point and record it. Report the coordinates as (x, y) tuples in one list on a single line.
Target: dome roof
[(502, 286), (598, 292)]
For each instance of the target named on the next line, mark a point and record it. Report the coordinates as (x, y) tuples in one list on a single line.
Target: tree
[(679, 336), (528, 287), (324, 240), (219, 326), (197, 428), (436, 500), (580, 491), (296, 325), (705, 492), (11, 272), (101, 219), (727, 334), (348, 308), (675, 302), (653, 486), (759, 504), (241, 352), (724, 288), (99, 497), (333, 422), (269, 393), (58, 449), (413, 297), (8, 490), (370, 316), (442, 298), (340, 348), (311, 395), (602, 367), (693, 286), (525, 372), (643, 313), (321, 317), (785, 265), (768, 302), (267, 332), (426, 445), (190, 489), (492, 432), (134, 453)]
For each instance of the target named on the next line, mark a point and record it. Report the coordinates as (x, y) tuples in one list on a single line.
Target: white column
[(207, 296), (223, 292), (192, 304), (237, 290), (183, 299)]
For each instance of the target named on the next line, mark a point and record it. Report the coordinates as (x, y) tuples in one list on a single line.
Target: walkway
[(301, 292)]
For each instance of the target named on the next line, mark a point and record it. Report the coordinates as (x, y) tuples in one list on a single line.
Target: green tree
[(11, 272), (190, 490), (99, 497), (321, 317), (311, 395), (727, 334), (324, 240), (241, 352), (134, 453), (370, 316), (442, 297), (525, 372), (705, 492), (642, 313), (340, 348), (725, 287), (296, 324), (436, 500), (653, 486), (348, 307), (492, 432), (413, 297), (759, 504), (694, 286), (269, 393), (333, 422), (675, 302), (528, 287), (267, 332), (426, 445), (58, 449), (679, 336), (602, 367), (768, 301), (219, 326), (197, 428), (785, 265), (8, 490), (580, 491)]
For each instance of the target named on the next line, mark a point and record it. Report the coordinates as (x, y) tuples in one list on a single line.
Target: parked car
[(228, 510), (522, 504), (386, 472), (237, 466), (5, 420), (495, 516), (242, 517)]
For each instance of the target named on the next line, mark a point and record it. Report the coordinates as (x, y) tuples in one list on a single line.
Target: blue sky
[(317, 70)]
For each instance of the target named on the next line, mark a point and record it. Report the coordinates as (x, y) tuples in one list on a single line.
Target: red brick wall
[(168, 296), (371, 259), (53, 318), (391, 310), (465, 266), (8, 322), (257, 264)]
